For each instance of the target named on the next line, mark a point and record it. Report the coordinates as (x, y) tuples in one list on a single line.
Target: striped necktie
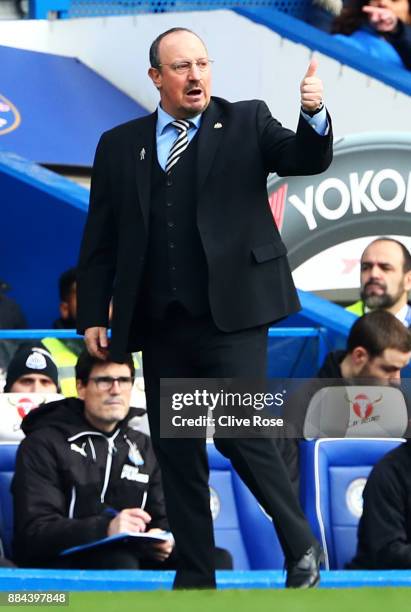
[(180, 144)]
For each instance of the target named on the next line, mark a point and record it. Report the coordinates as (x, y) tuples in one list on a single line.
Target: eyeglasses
[(105, 383), (185, 66)]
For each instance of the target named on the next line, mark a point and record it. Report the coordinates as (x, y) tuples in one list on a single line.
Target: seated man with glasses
[(82, 474)]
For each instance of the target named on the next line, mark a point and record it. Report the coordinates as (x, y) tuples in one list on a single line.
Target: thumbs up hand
[(311, 88)]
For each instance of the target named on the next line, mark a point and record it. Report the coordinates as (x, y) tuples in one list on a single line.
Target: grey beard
[(374, 302)]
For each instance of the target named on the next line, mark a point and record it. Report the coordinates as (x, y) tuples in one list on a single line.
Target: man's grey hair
[(154, 54)]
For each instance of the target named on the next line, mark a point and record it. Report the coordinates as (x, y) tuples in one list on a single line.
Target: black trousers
[(181, 346)]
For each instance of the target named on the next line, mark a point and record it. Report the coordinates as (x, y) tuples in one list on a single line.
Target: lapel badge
[(142, 154), (218, 125)]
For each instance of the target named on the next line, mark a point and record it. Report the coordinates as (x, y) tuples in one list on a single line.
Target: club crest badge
[(134, 455), (9, 116)]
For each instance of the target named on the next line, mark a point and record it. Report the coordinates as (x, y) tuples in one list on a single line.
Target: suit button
[(170, 224), (174, 288), (171, 245), (169, 204)]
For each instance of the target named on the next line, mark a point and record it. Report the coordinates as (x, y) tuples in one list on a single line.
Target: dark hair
[(87, 362), (405, 252), (352, 17), (154, 55), (377, 331), (66, 282)]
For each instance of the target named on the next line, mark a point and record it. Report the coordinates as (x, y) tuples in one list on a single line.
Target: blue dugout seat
[(333, 476), (7, 465), (240, 524)]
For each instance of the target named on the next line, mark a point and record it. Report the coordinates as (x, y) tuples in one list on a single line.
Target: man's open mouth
[(195, 92)]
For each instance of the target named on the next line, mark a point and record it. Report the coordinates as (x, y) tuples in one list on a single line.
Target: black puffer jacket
[(331, 367), (70, 477), (401, 41)]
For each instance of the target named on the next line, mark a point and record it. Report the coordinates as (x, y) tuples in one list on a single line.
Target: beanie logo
[(36, 361)]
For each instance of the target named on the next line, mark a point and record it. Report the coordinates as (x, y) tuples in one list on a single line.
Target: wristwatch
[(314, 112)]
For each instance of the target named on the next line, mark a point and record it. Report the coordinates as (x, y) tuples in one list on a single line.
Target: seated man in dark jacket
[(377, 348), (384, 532), (82, 474)]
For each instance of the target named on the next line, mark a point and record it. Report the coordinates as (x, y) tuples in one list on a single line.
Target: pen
[(113, 512)]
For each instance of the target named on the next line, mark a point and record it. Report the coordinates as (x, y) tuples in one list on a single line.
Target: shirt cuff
[(318, 122)]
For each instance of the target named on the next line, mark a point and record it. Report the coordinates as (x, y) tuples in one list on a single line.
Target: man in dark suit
[(180, 233)]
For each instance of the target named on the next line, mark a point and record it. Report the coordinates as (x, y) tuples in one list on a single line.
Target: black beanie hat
[(31, 360)]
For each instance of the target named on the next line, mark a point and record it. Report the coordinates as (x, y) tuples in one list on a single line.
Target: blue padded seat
[(7, 465), (240, 524), (333, 475)]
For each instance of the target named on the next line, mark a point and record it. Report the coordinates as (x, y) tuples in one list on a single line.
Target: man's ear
[(359, 356), (407, 281), (81, 388), (64, 310), (155, 76)]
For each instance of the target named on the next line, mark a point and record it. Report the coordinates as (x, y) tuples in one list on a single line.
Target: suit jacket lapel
[(210, 136), (146, 150)]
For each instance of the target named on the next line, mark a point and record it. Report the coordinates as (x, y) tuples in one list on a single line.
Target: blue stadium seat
[(7, 465), (333, 475), (240, 524)]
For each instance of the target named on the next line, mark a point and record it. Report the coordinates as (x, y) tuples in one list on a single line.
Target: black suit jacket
[(250, 282)]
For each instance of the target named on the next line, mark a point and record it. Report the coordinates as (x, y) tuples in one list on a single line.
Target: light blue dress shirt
[(319, 121), (167, 133)]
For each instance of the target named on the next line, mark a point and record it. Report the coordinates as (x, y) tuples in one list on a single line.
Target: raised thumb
[(312, 67)]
